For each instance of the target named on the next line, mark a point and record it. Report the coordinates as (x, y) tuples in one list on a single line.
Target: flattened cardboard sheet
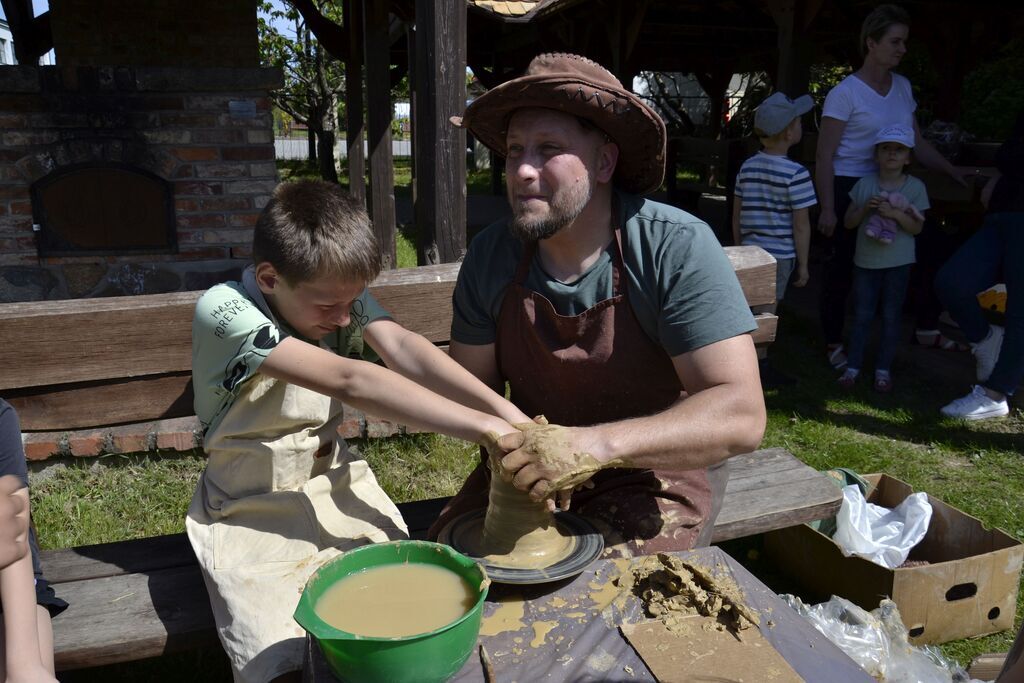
[(703, 654)]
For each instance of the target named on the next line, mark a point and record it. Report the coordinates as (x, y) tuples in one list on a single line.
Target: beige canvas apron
[(269, 510)]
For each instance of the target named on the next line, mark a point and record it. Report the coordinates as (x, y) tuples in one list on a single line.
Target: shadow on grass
[(910, 413)]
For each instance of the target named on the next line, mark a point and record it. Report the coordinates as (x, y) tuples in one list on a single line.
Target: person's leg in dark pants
[(1008, 372), (893, 288), (995, 251), (867, 284), (837, 276), (934, 247)]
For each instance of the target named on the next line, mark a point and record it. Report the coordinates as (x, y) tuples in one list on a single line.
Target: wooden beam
[(440, 147), (31, 35), (378, 96), (355, 131), (331, 36), (793, 69)]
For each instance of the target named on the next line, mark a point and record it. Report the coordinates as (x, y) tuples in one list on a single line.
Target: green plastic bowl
[(421, 658)]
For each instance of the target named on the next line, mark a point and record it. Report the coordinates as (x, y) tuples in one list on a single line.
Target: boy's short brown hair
[(312, 229)]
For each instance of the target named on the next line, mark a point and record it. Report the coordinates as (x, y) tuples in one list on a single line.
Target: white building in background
[(6, 44), (7, 47)]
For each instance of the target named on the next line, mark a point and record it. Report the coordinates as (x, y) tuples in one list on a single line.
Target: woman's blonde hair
[(878, 22), (312, 229)]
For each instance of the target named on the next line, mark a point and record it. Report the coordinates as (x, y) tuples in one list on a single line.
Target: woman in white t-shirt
[(855, 110)]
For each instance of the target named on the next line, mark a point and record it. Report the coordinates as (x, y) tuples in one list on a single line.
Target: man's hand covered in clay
[(551, 459)]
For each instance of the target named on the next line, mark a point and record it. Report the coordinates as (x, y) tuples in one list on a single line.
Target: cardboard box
[(968, 588)]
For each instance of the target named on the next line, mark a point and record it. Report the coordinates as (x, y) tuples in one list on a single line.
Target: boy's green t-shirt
[(232, 335)]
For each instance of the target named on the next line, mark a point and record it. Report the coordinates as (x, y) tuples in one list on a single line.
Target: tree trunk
[(311, 141), (325, 139)]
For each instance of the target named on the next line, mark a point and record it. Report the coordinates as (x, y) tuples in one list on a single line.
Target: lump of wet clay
[(518, 532), (670, 589)]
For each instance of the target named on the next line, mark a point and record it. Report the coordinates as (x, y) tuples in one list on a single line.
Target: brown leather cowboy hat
[(580, 87)]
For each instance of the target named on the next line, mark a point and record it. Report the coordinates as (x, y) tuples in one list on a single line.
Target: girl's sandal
[(883, 385), (941, 342)]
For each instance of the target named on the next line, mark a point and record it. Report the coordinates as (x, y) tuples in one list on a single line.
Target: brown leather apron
[(595, 367)]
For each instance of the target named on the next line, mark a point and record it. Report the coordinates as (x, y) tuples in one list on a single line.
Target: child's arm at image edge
[(21, 633)]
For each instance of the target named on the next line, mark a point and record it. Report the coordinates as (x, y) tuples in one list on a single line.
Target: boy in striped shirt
[(774, 195)]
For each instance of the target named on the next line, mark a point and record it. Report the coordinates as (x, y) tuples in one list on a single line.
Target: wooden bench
[(91, 366)]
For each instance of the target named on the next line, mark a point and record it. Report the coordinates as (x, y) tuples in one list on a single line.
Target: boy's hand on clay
[(499, 445), (13, 520), (552, 458)]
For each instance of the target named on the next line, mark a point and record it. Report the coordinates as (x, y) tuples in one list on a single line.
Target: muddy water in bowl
[(426, 656), (396, 600)]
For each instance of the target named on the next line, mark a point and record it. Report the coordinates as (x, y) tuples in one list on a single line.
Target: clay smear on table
[(518, 532), (672, 589)]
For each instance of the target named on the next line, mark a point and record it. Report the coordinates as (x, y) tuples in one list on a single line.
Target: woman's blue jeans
[(995, 253), (882, 289)]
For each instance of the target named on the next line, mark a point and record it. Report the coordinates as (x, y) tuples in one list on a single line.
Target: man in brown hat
[(618, 318)]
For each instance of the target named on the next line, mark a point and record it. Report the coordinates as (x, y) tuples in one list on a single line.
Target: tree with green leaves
[(313, 79)]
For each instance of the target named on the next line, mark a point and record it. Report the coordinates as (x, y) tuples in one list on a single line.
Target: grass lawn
[(977, 468)]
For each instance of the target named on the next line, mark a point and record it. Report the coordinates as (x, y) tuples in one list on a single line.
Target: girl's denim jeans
[(882, 289)]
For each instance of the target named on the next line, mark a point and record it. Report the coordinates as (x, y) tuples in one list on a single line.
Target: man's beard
[(563, 209)]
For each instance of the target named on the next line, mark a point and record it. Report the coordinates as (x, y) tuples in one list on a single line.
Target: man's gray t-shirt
[(679, 282)]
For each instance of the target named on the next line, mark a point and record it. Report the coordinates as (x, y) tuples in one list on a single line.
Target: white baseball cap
[(904, 135), (776, 112)]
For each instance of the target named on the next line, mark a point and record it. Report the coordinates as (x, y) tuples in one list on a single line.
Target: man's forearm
[(695, 432)]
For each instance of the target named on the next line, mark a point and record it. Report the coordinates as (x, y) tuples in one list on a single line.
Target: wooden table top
[(578, 641)]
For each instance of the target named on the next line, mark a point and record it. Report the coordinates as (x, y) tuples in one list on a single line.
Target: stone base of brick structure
[(180, 434)]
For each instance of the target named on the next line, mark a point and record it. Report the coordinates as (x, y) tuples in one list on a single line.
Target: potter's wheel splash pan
[(589, 544)]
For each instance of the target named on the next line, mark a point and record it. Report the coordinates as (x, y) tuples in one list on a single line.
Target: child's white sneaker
[(976, 406), (986, 352)]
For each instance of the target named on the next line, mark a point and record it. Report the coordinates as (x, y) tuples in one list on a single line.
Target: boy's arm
[(802, 238), (414, 357), (737, 208), (380, 391)]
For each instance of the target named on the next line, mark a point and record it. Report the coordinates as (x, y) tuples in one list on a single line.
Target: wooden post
[(355, 132), (440, 147), (378, 100), (497, 182), (792, 17)]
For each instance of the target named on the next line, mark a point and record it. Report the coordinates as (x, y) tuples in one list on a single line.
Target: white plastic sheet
[(879, 534), (877, 641)]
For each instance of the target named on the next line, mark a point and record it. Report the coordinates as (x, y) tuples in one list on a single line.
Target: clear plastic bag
[(879, 534), (877, 642)]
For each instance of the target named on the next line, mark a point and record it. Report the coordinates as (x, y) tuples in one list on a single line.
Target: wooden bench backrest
[(84, 363)]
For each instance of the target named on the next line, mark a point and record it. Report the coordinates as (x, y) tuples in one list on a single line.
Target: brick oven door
[(104, 208)]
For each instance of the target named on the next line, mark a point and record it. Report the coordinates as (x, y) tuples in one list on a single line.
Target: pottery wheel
[(463, 534)]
